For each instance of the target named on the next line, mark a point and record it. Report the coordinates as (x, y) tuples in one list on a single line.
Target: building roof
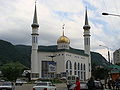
[(53, 48)]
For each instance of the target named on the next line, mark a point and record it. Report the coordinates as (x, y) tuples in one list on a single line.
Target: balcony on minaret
[(86, 27), (35, 25)]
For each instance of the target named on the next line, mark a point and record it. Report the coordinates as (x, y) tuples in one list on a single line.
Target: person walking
[(77, 84), (91, 84)]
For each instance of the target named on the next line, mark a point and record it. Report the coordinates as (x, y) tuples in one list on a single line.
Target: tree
[(100, 73), (12, 70)]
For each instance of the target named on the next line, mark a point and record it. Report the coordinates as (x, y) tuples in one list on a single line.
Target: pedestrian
[(109, 84), (91, 84), (117, 83), (113, 85), (77, 84)]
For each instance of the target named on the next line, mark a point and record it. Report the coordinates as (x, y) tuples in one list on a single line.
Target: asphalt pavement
[(29, 87)]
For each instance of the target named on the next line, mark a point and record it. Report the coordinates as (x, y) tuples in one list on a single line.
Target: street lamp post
[(52, 56), (108, 52), (111, 14)]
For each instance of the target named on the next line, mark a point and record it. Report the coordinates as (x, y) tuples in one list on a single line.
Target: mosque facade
[(60, 60)]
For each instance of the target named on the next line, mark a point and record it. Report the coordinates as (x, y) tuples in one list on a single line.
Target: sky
[(16, 17)]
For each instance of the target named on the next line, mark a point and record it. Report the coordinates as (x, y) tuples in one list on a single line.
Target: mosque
[(60, 60)]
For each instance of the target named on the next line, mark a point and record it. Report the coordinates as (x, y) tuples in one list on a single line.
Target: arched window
[(70, 72), (78, 66), (67, 65), (84, 76), (81, 66), (70, 65), (84, 66), (75, 66), (79, 73)]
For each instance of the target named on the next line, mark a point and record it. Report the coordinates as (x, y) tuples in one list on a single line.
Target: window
[(81, 66), (84, 76), (81, 75), (75, 66), (70, 65), (33, 39), (84, 66), (36, 40), (75, 73), (35, 75), (70, 72), (67, 65), (78, 66), (89, 67)]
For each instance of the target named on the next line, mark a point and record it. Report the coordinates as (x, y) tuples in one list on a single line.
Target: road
[(29, 87)]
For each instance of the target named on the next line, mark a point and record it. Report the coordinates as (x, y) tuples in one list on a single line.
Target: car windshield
[(5, 84), (41, 84)]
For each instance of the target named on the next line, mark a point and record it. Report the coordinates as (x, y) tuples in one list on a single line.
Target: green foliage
[(100, 73), (12, 53), (12, 70)]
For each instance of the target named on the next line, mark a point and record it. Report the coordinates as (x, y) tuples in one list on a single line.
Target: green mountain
[(22, 53), (14, 53)]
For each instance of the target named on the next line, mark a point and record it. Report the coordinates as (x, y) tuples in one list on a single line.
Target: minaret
[(34, 54), (86, 35)]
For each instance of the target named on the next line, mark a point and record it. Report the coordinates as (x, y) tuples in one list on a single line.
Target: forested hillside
[(21, 53)]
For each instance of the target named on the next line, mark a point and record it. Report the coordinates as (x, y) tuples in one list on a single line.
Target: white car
[(44, 86), (18, 82), (7, 86), (83, 86)]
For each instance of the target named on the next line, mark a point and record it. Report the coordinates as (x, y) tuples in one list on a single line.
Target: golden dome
[(63, 39)]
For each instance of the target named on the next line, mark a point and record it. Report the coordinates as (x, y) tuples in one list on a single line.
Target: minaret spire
[(86, 26), (35, 22), (86, 18)]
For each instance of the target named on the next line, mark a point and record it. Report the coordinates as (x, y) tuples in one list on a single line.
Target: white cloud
[(17, 17)]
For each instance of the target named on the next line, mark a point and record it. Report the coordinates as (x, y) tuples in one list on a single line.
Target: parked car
[(44, 86), (18, 82), (37, 81), (7, 86), (98, 85), (83, 86)]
